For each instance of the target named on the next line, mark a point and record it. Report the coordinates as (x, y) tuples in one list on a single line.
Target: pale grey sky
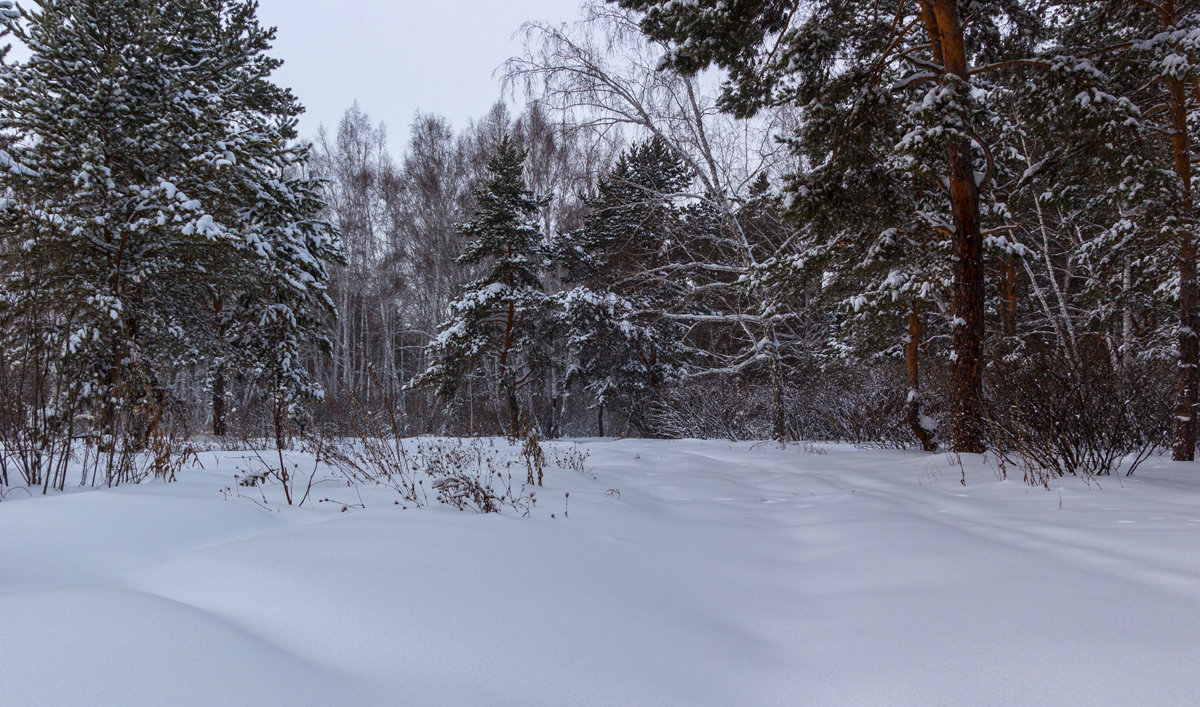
[(399, 57)]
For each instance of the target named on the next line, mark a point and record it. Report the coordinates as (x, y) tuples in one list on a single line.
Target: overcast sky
[(398, 57)]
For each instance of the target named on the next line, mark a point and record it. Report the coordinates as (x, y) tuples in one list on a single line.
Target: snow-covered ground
[(685, 573)]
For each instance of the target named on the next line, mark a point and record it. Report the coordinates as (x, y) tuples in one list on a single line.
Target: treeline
[(623, 266), (853, 237), (919, 222)]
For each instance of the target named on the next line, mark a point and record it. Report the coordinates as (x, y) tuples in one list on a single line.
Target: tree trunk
[(600, 420), (968, 246), (514, 412), (560, 404), (218, 391), (1189, 345), (911, 357), (471, 410), (778, 421), (1008, 308), (1127, 312), (218, 404), (507, 376)]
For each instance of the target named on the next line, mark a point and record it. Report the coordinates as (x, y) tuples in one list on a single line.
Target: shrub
[(1053, 417)]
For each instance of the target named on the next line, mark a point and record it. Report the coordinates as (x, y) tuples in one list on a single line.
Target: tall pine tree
[(838, 57), (494, 326), (158, 211)]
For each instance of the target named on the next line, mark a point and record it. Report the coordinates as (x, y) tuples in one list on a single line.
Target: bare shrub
[(473, 474), (48, 427), (863, 404), (712, 408), (38, 412), (1053, 417), (469, 475), (569, 458), (535, 459)]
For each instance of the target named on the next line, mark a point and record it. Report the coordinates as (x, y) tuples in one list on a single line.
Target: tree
[(622, 344), (873, 235), (153, 171), (778, 52), (1149, 61), (576, 72), (361, 189), (493, 321)]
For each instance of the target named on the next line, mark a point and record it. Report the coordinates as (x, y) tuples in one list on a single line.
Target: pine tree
[(493, 329), (153, 194), (622, 346), (1147, 57), (840, 57), (875, 235)]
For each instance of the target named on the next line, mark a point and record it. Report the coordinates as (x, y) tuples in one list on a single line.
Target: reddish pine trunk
[(946, 30), (1189, 346), (1008, 308), (1184, 436)]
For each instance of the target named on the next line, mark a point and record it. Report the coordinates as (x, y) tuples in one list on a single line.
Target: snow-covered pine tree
[(874, 236), (275, 303), (282, 306), (152, 182), (1146, 59), (622, 346), (1068, 142), (498, 318)]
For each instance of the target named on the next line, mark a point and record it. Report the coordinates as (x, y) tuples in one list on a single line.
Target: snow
[(684, 573)]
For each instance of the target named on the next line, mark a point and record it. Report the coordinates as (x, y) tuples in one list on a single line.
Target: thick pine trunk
[(600, 420), (1189, 346), (1008, 308), (968, 244)]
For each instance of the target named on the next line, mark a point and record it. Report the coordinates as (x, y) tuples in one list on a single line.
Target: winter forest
[(789, 221), (739, 238)]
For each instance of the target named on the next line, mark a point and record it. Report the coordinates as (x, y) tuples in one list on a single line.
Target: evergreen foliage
[(911, 221), (159, 216), (492, 333), (622, 345)]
